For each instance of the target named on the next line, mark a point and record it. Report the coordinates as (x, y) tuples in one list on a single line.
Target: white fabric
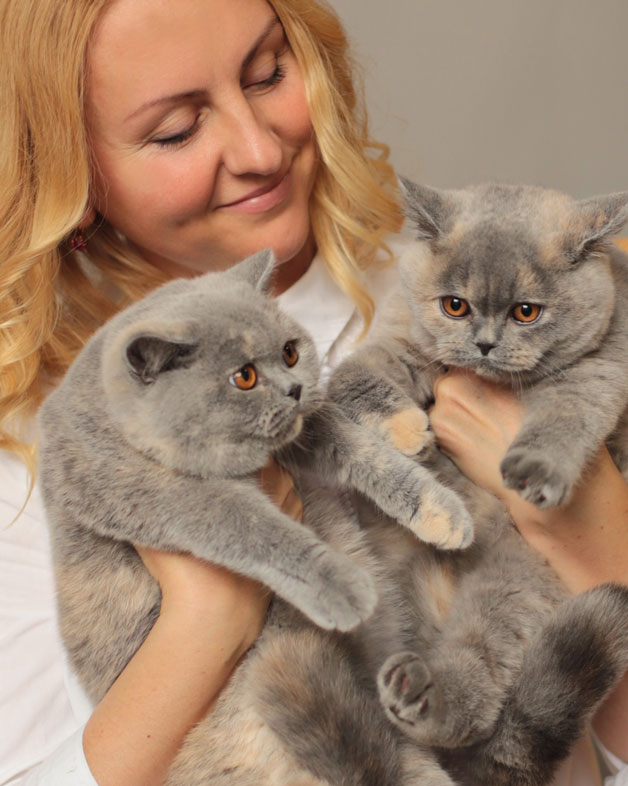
[(42, 709)]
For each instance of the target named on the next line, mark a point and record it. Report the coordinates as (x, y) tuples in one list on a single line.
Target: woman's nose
[(250, 144)]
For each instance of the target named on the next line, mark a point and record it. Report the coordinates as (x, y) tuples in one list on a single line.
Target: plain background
[(519, 91)]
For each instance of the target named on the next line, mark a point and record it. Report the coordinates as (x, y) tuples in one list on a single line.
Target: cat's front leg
[(566, 423), (231, 523), (333, 591), (346, 454), (375, 388)]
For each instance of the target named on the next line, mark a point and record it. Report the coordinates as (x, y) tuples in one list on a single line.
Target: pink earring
[(78, 241)]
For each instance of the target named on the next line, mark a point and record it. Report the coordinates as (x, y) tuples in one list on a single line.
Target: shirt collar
[(317, 303)]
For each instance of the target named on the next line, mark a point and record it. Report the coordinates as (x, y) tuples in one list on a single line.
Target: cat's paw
[(537, 478), (408, 693), (338, 595), (409, 431), (442, 519)]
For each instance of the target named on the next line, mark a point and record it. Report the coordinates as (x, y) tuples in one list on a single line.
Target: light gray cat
[(521, 285), (152, 438)]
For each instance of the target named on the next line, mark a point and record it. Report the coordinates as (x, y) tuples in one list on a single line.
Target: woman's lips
[(262, 199)]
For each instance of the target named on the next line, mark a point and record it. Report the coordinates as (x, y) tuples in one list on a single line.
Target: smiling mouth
[(262, 199)]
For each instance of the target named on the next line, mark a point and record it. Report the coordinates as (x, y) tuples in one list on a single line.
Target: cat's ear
[(258, 270), (149, 355), (599, 218), (427, 208)]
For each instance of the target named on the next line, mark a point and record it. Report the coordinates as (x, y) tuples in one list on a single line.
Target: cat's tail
[(568, 670), (308, 694)]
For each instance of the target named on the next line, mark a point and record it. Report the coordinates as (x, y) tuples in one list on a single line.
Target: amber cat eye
[(526, 312), (245, 378), (290, 354), (455, 306)]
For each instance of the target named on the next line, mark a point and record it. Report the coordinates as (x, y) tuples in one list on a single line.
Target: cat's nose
[(295, 392), (484, 348)]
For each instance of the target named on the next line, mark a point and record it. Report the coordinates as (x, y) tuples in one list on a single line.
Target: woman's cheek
[(178, 189)]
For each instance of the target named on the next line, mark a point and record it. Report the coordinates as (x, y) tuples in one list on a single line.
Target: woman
[(141, 141)]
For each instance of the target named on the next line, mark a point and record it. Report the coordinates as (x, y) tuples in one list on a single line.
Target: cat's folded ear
[(258, 270), (149, 355), (598, 219), (427, 208)]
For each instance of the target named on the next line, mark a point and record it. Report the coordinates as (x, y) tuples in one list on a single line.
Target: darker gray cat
[(500, 672), (153, 438)]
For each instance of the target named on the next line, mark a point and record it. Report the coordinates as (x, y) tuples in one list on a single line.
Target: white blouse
[(42, 707)]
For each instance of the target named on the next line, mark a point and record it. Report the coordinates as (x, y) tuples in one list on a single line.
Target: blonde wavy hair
[(52, 297)]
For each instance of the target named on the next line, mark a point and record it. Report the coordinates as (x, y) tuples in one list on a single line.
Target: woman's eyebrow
[(268, 29), (165, 100), (272, 23)]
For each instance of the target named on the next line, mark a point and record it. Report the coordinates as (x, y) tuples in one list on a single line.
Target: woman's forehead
[(161, 48)]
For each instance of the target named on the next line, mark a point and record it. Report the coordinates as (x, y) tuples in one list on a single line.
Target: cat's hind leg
[(568, 670), (449, 691), (308, 694), (440, 702)]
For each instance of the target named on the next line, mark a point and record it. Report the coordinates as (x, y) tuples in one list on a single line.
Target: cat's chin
[(490, 373), (290, 434), (506, 374)]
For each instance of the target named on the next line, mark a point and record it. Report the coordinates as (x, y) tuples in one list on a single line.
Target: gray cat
[(152, 438), (521, 285)]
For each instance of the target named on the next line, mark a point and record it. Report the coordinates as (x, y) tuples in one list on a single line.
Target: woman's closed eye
[(267, 75), (266, 66), (179, 138)]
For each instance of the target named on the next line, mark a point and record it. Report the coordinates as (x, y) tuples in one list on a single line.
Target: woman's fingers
[(277, 483), (474, 422)]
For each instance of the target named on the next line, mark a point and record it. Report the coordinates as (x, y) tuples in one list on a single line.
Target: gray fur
[(500, 672), (148, 441)]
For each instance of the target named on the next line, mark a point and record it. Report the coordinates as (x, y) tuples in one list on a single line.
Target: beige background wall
[(529, 91)]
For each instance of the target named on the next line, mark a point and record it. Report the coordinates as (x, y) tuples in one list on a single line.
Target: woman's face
[(201, 136)]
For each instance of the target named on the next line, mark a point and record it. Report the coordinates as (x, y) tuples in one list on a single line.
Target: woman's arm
[(585, 541), (209, 618)]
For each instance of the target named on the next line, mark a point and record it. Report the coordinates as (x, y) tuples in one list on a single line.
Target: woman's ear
[(89, 217)]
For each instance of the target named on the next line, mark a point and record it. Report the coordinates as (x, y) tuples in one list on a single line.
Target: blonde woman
[(143, 140)]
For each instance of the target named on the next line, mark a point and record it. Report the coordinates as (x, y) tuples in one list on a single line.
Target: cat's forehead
[(531, 222), (505, 240), (245, 322), (225, 317)]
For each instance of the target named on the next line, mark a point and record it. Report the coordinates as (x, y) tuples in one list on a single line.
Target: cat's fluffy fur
[(521, 285), (152, 438)]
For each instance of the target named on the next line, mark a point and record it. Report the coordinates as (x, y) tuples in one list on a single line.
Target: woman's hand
[(226, 599), (209, 618), (234, 603), (474, 422)]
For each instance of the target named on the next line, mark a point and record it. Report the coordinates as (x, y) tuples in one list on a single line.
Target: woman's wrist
[(170, 684), (208, 619)]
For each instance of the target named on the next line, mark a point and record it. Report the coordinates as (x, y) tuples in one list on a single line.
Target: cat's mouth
[(285, 430), (496, 371), (488, 370)]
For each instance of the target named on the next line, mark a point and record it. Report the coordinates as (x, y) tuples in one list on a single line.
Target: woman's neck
[(288, 273)]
